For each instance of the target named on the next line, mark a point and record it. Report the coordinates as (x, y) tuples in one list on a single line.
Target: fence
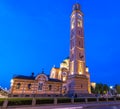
[(4, 103)]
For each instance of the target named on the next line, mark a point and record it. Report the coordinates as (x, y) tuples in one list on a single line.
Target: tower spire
[(76, 7)]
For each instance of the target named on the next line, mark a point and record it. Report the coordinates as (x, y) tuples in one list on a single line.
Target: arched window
[(79, 24), (50, 87), (18, 86), (29, 86), (40, 86)]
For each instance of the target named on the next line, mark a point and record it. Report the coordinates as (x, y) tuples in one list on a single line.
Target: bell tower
[(78, 80)]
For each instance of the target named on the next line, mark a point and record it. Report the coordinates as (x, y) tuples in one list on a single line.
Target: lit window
[(79, 23), (72, 73), (64, 78), (72, 24), (80, 73), (87, 69)]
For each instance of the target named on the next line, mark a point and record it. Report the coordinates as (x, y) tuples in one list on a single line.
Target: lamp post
[(112, 90)]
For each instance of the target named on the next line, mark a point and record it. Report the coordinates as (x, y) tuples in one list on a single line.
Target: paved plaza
[(69, 106)]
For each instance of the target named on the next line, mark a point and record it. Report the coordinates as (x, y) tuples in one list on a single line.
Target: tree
[(105, 88), (92, 90), (117, 87), (100, 89)]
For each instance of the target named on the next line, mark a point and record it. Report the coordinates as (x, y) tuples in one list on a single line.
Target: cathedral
[(72, 78)]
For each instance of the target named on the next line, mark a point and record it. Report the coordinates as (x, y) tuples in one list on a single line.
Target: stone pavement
[(68, 106)]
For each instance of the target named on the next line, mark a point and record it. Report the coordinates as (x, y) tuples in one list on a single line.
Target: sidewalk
[(67, 106)]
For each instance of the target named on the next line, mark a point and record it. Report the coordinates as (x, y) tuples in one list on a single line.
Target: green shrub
[(1, 101), (92, 99), (63, 100), (110, 99), (45, 101), (102, 99), (118, 98), (79, 99), (19, 101)]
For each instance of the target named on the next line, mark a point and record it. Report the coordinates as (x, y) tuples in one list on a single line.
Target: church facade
[(71, 78)]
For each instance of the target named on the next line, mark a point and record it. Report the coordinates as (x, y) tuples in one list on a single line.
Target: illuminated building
[(30, 86), (79, 78), (93, 84), (71, 78)]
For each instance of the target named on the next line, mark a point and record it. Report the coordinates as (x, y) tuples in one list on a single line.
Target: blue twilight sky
[(35, 34)]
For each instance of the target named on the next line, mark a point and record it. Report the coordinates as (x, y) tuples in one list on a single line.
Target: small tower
[(78, 80)]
